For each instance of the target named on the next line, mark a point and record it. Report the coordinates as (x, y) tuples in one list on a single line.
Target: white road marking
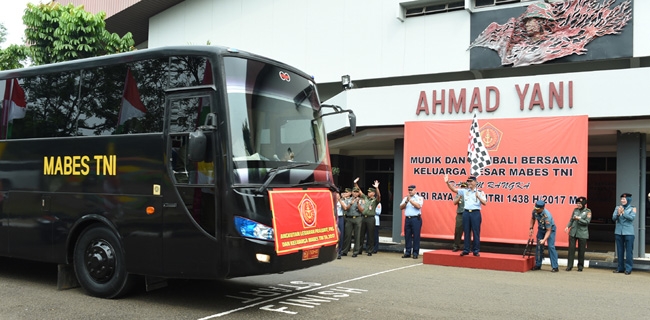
[(301, 292)]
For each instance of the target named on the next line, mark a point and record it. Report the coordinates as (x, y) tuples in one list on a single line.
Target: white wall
[(599, 94), (326, 38), (641, 20), (330, 38)]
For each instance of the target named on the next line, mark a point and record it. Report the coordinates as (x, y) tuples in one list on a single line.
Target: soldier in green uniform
[(353, 225), (578, 229), (367, 206)]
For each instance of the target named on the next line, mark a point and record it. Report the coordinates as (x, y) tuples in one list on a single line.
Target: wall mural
[(550, 31)]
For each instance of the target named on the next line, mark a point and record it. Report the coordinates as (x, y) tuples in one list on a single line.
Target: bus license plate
[(309, 254)]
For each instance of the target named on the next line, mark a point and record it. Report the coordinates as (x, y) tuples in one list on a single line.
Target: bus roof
[(136, 55)]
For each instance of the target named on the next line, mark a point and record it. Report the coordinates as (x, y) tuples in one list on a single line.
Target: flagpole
[(119, 115), (6, 104)]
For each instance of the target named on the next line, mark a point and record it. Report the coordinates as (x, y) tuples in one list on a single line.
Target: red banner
[(303, 219), (532, 159)]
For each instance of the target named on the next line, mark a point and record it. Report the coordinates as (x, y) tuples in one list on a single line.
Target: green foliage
[(10, 58), (58, 33), (3, 33)]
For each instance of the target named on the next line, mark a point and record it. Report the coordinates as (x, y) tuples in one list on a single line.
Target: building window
[(432, 8), (601, 164), (489, 3)]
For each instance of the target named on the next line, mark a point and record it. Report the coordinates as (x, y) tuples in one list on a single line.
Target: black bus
[(196, 162)]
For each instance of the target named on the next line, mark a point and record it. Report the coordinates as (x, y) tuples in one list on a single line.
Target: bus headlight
[(263, 257), (251, 229)]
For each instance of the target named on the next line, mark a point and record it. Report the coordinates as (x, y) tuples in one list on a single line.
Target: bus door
[(4, 195), (191, 215)]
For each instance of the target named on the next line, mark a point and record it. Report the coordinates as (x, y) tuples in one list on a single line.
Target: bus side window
[(179, 158), (186, 116), (194, 179)]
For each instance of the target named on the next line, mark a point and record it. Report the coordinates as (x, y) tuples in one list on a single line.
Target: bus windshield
[(274, 122)]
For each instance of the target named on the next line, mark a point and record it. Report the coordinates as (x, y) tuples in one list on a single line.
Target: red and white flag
[(477, 155), (14, 99), (14, 104), (132, 106)]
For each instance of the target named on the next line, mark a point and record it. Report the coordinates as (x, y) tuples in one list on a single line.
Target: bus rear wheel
[(99, 264)]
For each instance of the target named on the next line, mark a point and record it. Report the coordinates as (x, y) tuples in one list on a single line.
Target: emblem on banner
[(491, 137), (307, 209)]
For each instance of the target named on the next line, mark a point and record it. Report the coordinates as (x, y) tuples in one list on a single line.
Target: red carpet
[(490, 261)]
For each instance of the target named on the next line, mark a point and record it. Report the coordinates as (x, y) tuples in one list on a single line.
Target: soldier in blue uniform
[(624, 216), (473, 199), (545, 235), (342, 207), (412, 206)]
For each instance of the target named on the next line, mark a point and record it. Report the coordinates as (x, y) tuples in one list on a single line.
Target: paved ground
[(383, 286)]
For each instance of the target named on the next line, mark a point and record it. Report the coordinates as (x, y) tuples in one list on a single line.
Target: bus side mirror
[(353, 122), (197, 146), (338, 110)]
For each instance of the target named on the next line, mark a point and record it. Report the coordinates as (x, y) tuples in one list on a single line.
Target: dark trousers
[(352, 225), (582, 246), (412, 228), (376, 239), (376, 247), (341, 225), (458, 232), (368, 233), (624, 247), (472, 223)]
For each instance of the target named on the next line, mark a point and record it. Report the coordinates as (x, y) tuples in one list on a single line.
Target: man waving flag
[(477, 155)]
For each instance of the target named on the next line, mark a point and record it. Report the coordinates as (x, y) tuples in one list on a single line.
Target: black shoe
[(476, 254), (369, 254), (339, 257), (579, 269), (616, 271), (415, 256), (569, 269), (627, 273), (354, 255), (344, 254), (555, 270), (374, 252), (463, 253), (454, 250), (406, 256), (536, 268)]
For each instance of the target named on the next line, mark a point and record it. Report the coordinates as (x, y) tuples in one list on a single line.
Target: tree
[(58, 33), (3, 33), (10, 57)]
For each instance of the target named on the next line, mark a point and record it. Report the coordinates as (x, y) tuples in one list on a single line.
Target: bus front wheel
[(99, 263)]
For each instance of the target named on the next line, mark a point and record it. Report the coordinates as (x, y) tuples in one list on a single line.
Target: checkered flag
[(477, 155)]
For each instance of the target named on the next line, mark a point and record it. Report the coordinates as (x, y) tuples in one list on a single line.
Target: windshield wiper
[(274, 172), (322, 183)]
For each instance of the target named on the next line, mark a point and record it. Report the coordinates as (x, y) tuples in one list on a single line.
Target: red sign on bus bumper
[(303, 220), (309, 254)]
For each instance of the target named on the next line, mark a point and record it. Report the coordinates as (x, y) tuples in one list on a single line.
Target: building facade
[(445, 60)]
